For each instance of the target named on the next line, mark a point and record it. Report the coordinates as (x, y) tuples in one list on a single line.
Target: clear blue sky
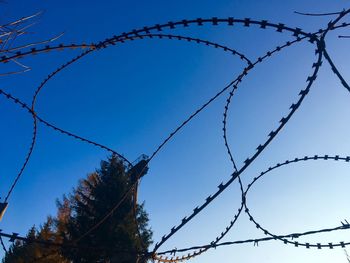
[(130, 97)]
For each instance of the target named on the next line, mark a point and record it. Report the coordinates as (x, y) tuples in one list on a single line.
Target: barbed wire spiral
[(317, 39)]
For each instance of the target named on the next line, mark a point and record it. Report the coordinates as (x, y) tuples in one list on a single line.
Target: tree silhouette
[(116, 240)]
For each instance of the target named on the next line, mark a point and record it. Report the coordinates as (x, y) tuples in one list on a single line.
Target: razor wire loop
[(344, 226), (228, 228), (259, 149), (92, 47), (221, 187), (208, 43), (215, 21), (102, 45), (235, 86), (320, 48), (73, 60), (284, 239), (234, 175)]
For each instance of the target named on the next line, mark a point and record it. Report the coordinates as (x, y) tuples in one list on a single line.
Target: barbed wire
[(92, 47), (283, 121), (235, 87), (286, 241), (256, 241), (260, 148), (317, 39), (171, 25), (303, 93), (16, 100), (31, 110)]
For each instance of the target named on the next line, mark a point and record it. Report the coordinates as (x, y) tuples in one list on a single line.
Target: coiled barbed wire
[(320, 49), (199, 22), (235, 217), (93, 47), (135, 34), (178, 37)]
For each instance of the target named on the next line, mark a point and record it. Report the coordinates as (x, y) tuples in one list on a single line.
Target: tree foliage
[(116, 240)]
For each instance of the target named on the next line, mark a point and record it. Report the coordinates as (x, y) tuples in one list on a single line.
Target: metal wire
[(317, 39), (235, 217), (256, 241), (283, 239), (318, 14), (303, 93), (248, 161)]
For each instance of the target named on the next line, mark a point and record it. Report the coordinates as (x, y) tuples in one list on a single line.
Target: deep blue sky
[(130, 97)]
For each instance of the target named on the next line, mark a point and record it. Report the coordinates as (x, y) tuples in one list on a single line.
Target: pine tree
[(116, 240)]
